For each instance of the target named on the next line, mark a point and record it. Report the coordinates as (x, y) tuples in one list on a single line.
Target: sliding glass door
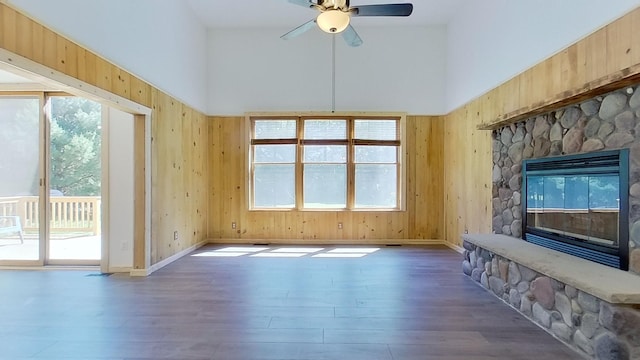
[(50, 180), (20, 179), (74, 162)]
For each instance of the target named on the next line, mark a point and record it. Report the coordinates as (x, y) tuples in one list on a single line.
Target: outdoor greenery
[(75, 146)]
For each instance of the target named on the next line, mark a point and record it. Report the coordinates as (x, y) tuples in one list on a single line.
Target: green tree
[(75, 146)]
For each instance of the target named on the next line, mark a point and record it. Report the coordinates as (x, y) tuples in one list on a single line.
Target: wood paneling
[(180, 133), (179, 176), (425, 179), (139, 255), (606, 60), (228, 195), (467, 173)]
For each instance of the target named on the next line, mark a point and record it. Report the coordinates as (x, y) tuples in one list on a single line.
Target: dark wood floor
[(396, 303)]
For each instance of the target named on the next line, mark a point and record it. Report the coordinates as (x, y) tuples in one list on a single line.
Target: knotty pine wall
[(228, 202), (605, 60), (180, 133)]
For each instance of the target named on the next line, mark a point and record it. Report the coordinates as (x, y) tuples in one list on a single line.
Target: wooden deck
[(66, 213), (69, 246), (394, 303), (74, 225)]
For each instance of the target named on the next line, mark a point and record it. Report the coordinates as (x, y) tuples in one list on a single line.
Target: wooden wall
[(467, 176), (605, 60), (228, 195), (179, 176), (180, 138)]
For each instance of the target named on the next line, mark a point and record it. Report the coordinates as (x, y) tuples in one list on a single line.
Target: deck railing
[(67, 213)]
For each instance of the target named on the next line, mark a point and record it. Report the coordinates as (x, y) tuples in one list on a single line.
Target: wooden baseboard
[(159, 265), (347, 242), (120, 269)]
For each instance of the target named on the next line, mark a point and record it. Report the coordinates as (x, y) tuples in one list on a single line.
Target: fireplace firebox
[(579, 204)]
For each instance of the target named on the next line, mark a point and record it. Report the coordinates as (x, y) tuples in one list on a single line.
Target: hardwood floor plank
[(452, 351), (22, 348), (455, 322), (283, 351), (259, 310), (404, 337), (159, 349)]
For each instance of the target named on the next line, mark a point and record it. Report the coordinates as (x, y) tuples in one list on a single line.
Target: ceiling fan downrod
[(333, 73)]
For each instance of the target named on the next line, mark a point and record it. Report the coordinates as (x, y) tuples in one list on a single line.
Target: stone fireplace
[(594, 309), (607, 122)]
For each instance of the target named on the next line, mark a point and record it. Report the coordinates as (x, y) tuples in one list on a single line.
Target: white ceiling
[(281, 13)]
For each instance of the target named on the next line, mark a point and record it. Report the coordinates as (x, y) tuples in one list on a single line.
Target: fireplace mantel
[(609, 284)]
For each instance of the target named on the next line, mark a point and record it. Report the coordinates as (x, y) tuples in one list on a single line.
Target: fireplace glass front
[(578, 204)]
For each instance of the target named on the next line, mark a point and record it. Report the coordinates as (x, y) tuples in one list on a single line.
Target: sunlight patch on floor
[(248, 249), (288, 252), (220, 254)]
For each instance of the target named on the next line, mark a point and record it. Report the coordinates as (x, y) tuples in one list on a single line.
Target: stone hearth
[(596, 314)]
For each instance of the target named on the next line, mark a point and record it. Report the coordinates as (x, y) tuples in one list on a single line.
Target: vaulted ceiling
[(281, 14), (465, 47)]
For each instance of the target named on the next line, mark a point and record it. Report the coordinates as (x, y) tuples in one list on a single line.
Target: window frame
[(350, 142)]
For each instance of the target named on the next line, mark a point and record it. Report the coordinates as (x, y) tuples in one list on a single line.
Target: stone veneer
[(589, 325), (606, 122)]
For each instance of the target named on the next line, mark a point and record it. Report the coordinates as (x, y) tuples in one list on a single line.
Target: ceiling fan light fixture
[(333, 21)]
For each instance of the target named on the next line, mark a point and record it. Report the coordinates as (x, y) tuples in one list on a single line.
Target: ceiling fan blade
[(305, 3), (382, 10), (299, 30), (351, 37)]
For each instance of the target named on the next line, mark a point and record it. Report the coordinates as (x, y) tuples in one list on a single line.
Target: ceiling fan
[(335, 17)]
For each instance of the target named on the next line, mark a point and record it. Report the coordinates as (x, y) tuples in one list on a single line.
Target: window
[(325, 163)]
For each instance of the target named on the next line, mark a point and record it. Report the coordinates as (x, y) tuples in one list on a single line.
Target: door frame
[(142, 147)]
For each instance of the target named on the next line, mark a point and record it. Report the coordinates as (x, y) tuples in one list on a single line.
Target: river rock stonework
[(607, 122), (591, 326)]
